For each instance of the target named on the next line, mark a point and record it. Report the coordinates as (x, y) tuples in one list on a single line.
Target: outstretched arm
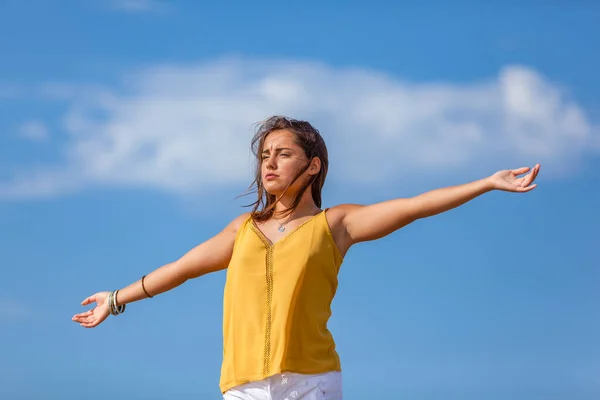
[(212, 255), (364, 223)]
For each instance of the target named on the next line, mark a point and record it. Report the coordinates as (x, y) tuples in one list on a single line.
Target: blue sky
[(125, 132)]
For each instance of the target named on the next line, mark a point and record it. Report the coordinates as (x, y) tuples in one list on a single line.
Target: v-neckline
[(268, 241)]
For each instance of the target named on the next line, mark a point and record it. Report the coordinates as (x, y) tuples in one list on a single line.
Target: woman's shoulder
[(337, 213), (242, 219), (335, 216), (238, 222)]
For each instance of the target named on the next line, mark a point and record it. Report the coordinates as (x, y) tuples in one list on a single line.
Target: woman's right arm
[(210, 256)]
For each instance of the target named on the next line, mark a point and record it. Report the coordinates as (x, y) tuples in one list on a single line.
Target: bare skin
[(350, 223)]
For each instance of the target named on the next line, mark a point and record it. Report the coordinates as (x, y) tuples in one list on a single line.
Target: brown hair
[(310, 140)]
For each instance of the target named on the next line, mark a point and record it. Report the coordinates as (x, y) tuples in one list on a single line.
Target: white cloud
[(34, 130), (138, 5), (186, 128)]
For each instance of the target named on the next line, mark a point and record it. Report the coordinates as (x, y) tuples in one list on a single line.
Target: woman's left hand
[(508, 180)]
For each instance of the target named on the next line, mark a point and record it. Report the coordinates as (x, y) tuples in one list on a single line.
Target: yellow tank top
[(277, 302)]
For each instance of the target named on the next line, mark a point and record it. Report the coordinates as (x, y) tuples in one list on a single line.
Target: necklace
[(282, 226)]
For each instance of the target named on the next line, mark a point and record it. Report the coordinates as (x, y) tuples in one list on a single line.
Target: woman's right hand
[(96, 315)]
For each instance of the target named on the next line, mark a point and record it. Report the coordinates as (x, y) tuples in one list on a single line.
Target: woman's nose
[(271, 164)]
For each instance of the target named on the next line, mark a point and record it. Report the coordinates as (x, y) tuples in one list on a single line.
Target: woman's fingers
[(520, 171), (89, 300), (527, 188), (94, 316), (83, 314), (79, 318), (87, 313), (531, 177), (87, 320)]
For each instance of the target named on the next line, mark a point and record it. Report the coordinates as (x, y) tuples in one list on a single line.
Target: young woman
[(282, 261)]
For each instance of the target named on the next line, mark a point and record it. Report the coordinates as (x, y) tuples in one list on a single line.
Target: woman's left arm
[(364, 223)]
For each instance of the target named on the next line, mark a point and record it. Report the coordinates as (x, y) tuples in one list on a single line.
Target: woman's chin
[(274, 189)]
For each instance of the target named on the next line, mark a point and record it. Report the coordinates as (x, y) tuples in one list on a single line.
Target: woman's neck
[(306, 206)]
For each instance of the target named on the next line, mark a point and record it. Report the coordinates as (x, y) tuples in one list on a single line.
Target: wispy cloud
[(186, 127), (35, 131), (11, 310), (139, 5)]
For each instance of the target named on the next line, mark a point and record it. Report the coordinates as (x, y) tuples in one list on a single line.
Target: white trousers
[(290, 386)]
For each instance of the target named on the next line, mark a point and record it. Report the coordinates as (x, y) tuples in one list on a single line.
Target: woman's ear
[(315, 166)]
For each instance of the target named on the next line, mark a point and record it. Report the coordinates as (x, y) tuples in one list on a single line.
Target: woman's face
[(281, 160)]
